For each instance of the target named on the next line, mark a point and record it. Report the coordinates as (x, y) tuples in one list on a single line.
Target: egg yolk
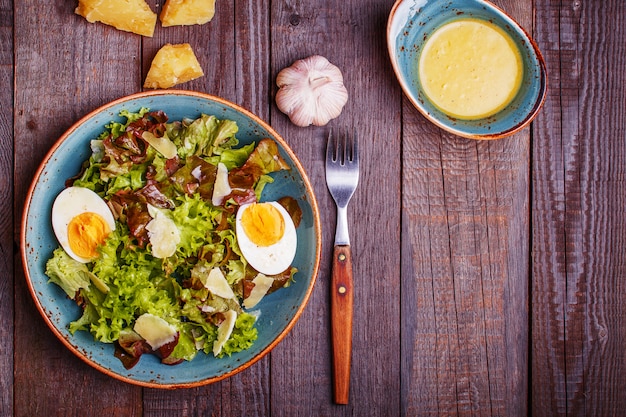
[(263, 224), (86, 232)]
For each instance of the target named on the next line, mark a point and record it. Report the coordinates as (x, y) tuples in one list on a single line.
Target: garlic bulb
[(311, 91)]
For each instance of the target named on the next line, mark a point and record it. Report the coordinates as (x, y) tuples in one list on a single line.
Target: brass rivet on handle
[(342, 290), (342, 257)]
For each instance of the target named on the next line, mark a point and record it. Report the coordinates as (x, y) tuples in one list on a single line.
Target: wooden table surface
[(489, 276)]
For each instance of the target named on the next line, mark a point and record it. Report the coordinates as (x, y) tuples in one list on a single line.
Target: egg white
[(70, 203), (273, 259)]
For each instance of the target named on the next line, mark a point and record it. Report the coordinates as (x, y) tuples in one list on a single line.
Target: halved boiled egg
[(267, 236), (81, 221)]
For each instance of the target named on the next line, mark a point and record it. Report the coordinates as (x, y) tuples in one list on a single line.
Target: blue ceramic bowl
[(279, 311), (411, 23)]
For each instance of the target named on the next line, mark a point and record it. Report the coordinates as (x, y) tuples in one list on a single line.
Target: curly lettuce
[(67, 273)]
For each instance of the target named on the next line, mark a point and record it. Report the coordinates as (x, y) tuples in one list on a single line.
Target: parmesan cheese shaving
[(224, 331), (221, 188), (217, 284), (163, 234), (156, 331), (262, 284)]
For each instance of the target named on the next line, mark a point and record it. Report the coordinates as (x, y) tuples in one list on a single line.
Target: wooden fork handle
[(341, 300)]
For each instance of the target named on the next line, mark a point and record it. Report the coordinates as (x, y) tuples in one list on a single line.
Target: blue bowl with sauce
[(418, 29)]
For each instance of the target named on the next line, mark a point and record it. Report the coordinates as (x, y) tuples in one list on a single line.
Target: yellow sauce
[(470, 69)]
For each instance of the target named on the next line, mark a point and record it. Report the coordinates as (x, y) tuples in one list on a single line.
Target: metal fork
[(342, 177)]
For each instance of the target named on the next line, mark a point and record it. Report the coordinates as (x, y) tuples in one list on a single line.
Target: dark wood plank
[(578, 199), (465, 270), (548, 264), (352, 36), (65, 68), (7, 244), (465, 293)]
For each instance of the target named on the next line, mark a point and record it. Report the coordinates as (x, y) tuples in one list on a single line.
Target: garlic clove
[(311, 91)]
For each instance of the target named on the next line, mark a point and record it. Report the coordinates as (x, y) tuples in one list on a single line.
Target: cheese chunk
[(187, 12), (172, 65), (127, 15)]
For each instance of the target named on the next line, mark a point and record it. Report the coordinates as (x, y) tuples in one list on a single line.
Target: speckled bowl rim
[(531, 114), (310, 196)]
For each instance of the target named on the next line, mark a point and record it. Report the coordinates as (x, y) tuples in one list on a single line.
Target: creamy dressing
[(470, 69)]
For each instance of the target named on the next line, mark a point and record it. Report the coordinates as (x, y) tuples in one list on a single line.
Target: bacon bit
[(291, 205)]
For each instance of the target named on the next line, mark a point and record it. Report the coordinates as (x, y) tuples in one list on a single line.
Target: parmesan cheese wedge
[(163, 234), (221, 188), (217, 284), (187, 12), (162, 144), (262, 284), (127, 15), (172, 65), (156, 331), (224, 331)]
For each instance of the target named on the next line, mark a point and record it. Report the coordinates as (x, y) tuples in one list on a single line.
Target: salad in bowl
[(176, 243)]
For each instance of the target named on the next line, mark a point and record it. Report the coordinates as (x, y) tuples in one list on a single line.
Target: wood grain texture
[(465, 270), (341, 307), (7, 244), (465, 292), (578, 191)]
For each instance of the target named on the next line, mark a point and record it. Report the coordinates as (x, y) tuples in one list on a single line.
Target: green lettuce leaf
[(233, 158), (207, 135), (243, 336), (67, 273)]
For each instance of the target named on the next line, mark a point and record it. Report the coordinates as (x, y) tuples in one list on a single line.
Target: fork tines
[(344, 149)]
